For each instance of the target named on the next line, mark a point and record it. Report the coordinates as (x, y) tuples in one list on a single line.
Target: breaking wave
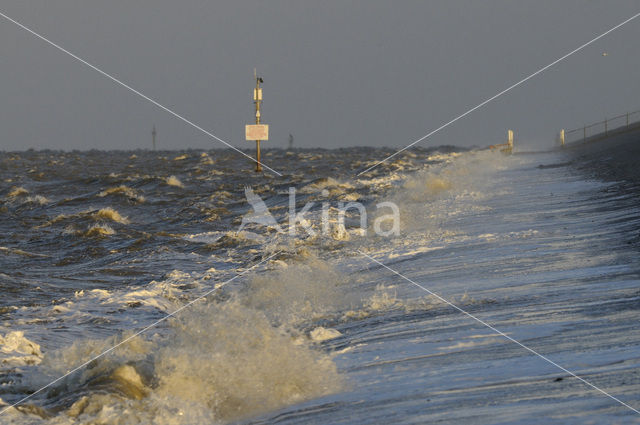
[(223, 360), (174, 181), (110, 214), (123, 190)]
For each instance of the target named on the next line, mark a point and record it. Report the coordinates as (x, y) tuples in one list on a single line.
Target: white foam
[(173, 181), (320, 334), (37, 199), (17, 350)]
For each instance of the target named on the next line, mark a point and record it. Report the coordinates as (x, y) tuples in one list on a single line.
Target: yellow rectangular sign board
[(256, 132)]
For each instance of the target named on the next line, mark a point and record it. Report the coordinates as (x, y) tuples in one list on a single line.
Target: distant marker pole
[(153, 137), (258, 131), (257, 97)]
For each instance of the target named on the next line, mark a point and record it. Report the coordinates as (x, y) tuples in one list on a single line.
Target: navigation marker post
[(153, 137), (258, 131)]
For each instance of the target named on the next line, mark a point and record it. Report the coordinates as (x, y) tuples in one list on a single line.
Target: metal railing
[(603, 128)]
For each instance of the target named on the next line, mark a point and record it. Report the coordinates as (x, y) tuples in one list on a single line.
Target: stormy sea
[(447, 285)]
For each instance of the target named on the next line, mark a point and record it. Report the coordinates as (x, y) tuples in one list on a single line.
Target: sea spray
[(225, 359), (230, 359), (301, 292), (217, 361), (428, 198)]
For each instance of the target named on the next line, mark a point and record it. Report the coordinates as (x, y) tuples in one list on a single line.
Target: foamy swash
[(248, 349)]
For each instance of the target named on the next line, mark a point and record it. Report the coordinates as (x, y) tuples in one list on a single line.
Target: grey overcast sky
[(337, 73)]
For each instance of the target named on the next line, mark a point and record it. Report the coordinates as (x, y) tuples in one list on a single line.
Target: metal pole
[(257, 101), (153, 136)]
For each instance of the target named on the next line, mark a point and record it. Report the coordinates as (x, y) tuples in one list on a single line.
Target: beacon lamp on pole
[(258, 131)]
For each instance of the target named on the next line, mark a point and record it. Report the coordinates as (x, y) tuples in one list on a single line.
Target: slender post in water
[(257, 98), (258, 132), (561, 137), (153, 137)]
